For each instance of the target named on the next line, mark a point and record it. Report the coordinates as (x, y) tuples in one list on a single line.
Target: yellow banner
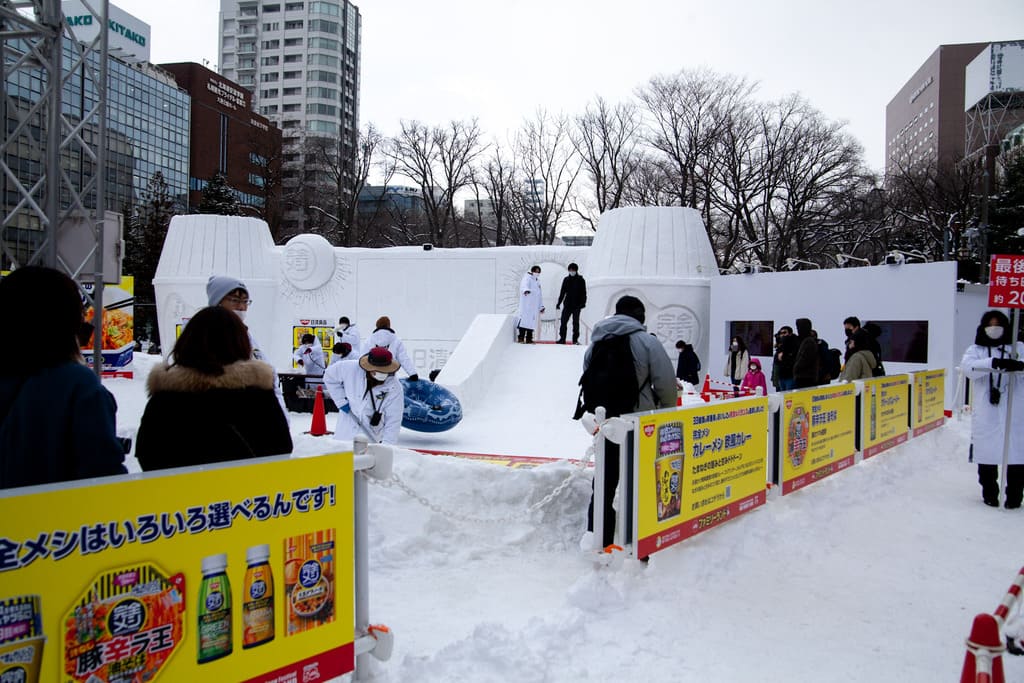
[(817, 436), (697, 468), (929, 401), (884, 413), (237, 573)]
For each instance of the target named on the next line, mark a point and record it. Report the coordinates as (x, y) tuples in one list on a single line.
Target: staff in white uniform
[(531, 305), (369, 397)]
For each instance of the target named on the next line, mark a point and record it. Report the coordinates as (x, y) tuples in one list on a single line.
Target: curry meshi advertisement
[(884, 413), (697, 468), (816, 438), (929, 401), (118, 328), (236, 573)]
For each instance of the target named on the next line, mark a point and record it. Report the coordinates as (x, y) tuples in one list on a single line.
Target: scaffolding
[(45, 203)]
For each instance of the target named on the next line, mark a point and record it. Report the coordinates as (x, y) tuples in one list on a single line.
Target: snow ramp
[(517, 399)]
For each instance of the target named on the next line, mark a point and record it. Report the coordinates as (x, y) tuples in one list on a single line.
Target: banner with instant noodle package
[(696, 468), (241, 572), (118, 328), (817, 434), (929, 401), (884, 414)]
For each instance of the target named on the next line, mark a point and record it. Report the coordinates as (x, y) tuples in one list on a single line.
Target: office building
[(993, 97), (227, 137), (300, 61)]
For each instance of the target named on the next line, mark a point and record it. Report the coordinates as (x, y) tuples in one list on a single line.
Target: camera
[(994, 395), (375, 418)]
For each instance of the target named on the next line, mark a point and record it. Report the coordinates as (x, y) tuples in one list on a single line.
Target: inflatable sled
[(429, 407)]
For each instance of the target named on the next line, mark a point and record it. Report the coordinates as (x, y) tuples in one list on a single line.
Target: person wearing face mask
[(347, 332), (870, 341), (574, 295), (737, 361), (531, 305), (369, 397), (232, 294), (310, 355), (860, 359), (754, 379), (992, 363)]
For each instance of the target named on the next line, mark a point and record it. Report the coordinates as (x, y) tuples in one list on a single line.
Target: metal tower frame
[(32, 42)]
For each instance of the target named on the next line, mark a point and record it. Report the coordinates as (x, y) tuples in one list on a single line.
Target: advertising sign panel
[(697, 468), (929, 401), (817, 437), (322, 330), (237, 573), (1006, 281), (884, 413), (118, 328)]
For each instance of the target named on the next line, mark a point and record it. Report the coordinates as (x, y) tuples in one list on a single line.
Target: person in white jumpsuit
[(993, 363), (369, 397), (386, 337), (531, 305)]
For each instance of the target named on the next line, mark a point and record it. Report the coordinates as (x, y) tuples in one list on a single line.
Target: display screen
[(903, 341), (757, 334)]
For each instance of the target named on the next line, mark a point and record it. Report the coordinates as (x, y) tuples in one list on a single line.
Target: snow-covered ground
[(874, 574)]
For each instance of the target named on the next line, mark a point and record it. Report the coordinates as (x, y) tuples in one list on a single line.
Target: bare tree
[(549, 167), (439, 159), (606, 138), (498, 179)]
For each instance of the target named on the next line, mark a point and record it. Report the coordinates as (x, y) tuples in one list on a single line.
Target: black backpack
[(610, 379)]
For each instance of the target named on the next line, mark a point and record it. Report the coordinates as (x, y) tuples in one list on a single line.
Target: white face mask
[(734, 346), (572, 272), (994, 331), (343, 326), (380, 376), (241, 315)]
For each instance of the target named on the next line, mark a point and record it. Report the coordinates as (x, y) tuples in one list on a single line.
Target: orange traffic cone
[(319, 425), (705, 392), (984, 659)]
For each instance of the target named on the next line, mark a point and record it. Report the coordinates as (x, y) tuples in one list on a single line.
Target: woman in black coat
[(214, 403)]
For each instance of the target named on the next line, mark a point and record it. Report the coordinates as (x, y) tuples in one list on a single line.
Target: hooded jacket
[(988, 421), (386, 337), (860, 365), (312, 357), (806, 365), (193, 418), (654, 372), (347, 385)]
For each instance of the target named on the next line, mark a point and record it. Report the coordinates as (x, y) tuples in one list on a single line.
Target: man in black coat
[(574, 295), (806, 365)]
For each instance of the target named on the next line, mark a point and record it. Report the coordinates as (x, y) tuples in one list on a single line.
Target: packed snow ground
[(874, 574)]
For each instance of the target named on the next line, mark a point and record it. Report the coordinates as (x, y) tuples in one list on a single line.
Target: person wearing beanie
[(655, 378), (340, 352), (385, 337), (232, 294), (369, 397), (347, 332), (992, 363), (806, 365), (574, 295), (531, 305)]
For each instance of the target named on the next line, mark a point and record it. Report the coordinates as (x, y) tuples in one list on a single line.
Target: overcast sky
[(500, 61)]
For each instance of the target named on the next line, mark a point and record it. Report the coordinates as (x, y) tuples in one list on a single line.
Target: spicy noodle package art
[(309, 580)]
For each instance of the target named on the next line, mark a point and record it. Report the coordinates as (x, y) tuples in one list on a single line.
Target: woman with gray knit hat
[(232, 294)]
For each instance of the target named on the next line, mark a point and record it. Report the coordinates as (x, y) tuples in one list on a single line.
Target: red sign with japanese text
[(1006, 281)]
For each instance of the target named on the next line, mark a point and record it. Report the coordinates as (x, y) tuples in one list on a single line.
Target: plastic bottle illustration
[(873, 424), (214, 610), (258, 605)]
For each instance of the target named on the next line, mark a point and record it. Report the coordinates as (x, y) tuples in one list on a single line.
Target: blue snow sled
[(429, 407)]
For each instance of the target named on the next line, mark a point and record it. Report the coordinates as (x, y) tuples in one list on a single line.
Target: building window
[(323, 93), (293, 25), (291, 107), (271, 8), (289, 92), (293, 59), (270, 44), (269, 78), (272, 26), (325, 8), (269, 109), (269, 61), (293, 42), (322, 77), (323, 60), (323, 26), (289, 124), (293, 6), (322, 109), (322, 127), (271, 92), (324, 44), (292, 75)]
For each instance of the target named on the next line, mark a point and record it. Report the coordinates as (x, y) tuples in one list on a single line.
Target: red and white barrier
[(713, 389), (984, 660)]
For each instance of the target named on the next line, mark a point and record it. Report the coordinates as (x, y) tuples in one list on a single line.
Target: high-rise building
[(300, 61), (229, 138), (993, 98)]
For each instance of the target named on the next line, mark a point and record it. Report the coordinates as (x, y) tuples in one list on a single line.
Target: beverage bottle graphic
[(214, 635), (258, 602), (873, 425)]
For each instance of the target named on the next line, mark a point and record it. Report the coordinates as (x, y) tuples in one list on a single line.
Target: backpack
[(610, 379), (879, 369)]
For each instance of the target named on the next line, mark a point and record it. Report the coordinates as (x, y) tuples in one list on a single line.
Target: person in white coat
[(531, 305), (310, 355), (992, 364), (384, 336), (347, 332), (369, 397), (737, 360)]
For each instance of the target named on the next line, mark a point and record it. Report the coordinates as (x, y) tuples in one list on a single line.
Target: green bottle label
[(214, 618)]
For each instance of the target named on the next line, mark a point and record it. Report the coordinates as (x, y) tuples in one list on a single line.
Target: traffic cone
[(986, 645), (705, 392), (319, 425)]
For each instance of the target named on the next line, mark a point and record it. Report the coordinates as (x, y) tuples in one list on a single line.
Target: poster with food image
[(697, 468), (118, 328), (180, 575), (884, 414), (929, 401), (318, 327), (309, 580), (817, 436)]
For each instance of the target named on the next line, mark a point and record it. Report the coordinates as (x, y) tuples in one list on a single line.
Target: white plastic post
[(1010, 381), (599, 442)]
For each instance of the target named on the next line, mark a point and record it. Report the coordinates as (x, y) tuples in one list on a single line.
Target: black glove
[(414, 377), (1007, 364)]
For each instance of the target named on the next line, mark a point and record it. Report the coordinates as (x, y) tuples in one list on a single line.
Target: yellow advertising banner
[(884, 413), (817, 438), (696, 468), (929, 401), (322, 330), (236, 573)]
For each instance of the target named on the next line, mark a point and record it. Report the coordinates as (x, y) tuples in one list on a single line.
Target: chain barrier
[(394, 481)]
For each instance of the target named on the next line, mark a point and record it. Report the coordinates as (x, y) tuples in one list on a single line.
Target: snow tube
[(429, 407)]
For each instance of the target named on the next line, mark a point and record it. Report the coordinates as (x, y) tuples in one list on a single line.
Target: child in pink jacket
[(755, 378)]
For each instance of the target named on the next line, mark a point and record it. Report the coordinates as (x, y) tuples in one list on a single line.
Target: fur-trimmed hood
[(239, 375)]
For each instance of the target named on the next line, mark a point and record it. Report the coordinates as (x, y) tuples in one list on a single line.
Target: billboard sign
[(817, 437), (885, 413), (128, 37)]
